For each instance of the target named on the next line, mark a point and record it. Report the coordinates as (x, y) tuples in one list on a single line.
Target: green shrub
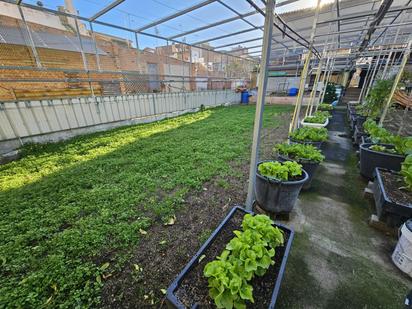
[(406, 172), (282, 171), (318, 117), (250, 253), (300, 152), (325, 107), (330, 94), (310, 134), (377, 97)]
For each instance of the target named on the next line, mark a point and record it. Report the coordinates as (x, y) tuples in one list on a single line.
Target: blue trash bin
[(244, 98), (293, 92)]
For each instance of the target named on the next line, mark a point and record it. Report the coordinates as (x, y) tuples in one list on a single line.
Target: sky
[(134, 14)]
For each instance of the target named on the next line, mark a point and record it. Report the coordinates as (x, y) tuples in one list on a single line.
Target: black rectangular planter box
[(393, 213), (173, 300)]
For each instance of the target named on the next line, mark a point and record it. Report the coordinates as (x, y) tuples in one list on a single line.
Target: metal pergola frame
[(341, 46)]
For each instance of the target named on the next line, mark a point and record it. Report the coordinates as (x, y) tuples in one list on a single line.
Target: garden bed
[(190, 288)]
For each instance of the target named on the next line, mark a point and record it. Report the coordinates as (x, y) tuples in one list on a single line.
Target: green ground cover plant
[(72, 212), (310, 134), (282, 171), (300, 152), (250, 253)]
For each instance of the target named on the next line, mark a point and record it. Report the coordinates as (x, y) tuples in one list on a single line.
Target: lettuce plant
[(381, 148), (318, 117), (282, 171), (325, 107), (377, 133), (307, 134), (250, 253), (300, 152), (402, 145), (406, 172)]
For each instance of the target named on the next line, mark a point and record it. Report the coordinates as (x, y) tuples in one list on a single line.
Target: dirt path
[(337, 260)]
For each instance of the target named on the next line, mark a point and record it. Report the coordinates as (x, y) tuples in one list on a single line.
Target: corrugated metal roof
[(19, 36)]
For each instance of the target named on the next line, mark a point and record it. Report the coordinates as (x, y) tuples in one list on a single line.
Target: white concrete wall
[(50, 120)]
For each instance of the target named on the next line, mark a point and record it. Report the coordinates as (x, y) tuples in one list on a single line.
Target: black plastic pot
[(174, 302), (277, 196), (315, 144), (358, 133), (309, 167), (365, 139), (360, 120), (370, 159), (387, 210)]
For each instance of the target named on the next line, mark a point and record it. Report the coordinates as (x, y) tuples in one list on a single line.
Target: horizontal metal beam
[(224, 36), (218, 23), (237, 43), (106, 9), (362, 14), (177, 14)]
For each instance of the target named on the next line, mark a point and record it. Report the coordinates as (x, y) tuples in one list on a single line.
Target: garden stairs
[(351, 94)]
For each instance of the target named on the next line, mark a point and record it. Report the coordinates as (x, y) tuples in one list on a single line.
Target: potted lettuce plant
[(386, 150), (309, 136), (255, 244), (325, 107), (307, 155), (319, 119), (278, 185)]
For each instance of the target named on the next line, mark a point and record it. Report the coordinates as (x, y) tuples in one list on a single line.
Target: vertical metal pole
[(32, 46), (81, 45), (315, 86), (262, 83), (365, 82), (95, 47), (326, 83), (397, 79), (190, 69), (327, 65), (372, 78), (304, 73), (386, 64), (137, 52), (392, 48), (183, 67)]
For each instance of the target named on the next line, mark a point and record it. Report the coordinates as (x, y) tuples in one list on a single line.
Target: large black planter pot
[(277, 196), (370, 159), (315, 144), (184, 290), (392, 213), (308, 166)]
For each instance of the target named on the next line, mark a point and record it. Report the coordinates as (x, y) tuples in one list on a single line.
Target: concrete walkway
[(337, 260)]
